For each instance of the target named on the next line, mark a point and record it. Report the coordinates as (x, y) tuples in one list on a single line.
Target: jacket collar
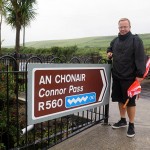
[(123, 37)]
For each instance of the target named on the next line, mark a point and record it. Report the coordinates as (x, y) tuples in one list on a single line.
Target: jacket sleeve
[(140, 57), (110, 48)]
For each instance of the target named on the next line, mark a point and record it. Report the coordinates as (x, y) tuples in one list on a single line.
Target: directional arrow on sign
[(105, 84)]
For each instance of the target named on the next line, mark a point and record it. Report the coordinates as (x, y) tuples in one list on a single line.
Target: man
[(128, 64)]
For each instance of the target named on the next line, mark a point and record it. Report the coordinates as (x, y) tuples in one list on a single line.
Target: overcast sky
[(67, 19)]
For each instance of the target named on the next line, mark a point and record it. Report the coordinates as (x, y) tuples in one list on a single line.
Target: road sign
[(56, 91)]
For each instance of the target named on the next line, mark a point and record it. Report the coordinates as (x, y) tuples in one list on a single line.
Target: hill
[(80, 42), (99, 41)]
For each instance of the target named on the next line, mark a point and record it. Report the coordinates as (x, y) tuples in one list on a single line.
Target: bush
[(7, 90), (67, 52)]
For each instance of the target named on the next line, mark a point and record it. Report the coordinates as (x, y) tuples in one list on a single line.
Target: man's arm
[(140, 58), (110, 48)]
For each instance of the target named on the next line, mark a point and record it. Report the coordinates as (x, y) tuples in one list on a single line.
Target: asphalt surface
[(145, 89), (103, 137)]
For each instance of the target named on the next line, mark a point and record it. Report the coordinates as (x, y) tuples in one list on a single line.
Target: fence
[(14, 131)]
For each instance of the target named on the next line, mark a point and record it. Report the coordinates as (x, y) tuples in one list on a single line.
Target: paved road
[(102, 137), (145, 89)]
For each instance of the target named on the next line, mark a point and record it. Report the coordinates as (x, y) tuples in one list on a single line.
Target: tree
[(1, 17), (19, 13), (2, 13)]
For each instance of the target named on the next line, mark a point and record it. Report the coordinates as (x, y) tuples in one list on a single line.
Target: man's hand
[(109, 55)]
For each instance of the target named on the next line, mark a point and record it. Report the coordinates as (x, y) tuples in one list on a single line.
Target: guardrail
[(15, 133)]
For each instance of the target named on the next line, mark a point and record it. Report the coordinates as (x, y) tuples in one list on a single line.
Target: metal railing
[(14, 131)]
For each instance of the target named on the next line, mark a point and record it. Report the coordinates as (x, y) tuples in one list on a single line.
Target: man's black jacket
[(129, 59)]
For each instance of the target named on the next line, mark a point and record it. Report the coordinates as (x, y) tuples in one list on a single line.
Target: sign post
[(59, 90)]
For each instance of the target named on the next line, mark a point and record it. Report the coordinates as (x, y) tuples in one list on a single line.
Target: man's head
[(124, 26)]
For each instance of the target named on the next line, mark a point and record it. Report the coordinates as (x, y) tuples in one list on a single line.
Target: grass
[(85, 46), (80, 42), (87, 42)]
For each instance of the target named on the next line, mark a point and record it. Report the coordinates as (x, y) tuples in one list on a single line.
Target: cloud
[(65, 19)]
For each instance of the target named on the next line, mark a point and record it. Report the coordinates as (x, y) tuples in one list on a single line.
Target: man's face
[(124, 27)]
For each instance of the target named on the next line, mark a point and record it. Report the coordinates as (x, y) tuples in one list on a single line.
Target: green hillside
[(80, 42), (99, 42)]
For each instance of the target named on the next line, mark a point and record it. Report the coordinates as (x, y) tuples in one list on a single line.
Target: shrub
[(7, 90)]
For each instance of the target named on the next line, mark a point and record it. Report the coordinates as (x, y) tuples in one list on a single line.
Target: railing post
[(106, 114)]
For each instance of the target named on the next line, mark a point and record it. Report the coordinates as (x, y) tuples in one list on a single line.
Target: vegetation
[(19, 14), (74, 47), (2, 13), (4, 103), (88, 42)]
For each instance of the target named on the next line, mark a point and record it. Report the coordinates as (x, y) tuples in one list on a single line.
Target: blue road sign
[(81, 99)]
